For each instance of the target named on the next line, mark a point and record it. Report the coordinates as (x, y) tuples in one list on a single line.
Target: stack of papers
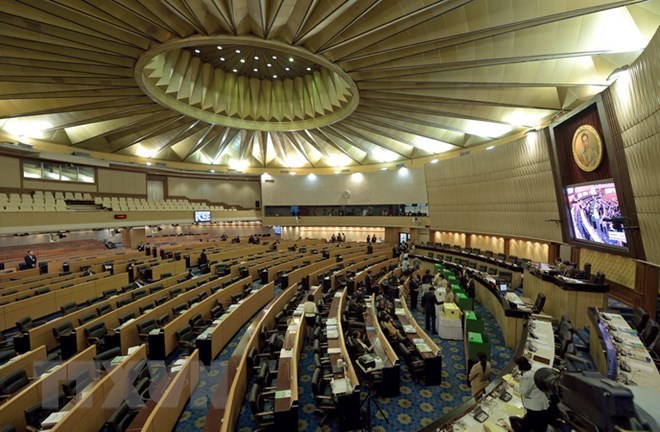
[(177, 365), (399, 311), (409, 329)]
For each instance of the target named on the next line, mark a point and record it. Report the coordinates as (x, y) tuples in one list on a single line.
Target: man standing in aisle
[(430, 301)]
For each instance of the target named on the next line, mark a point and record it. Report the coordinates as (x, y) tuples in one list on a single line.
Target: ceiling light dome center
[(247, 83)]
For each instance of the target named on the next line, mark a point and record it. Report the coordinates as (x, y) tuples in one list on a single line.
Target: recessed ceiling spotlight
[(234, 70), (290, 59), (212, 171), (286, 68), (490, 147), (256, 57), (242, 60), (197, 51), (219, 47), (268, 64), (255, 69), (274, 57), (309, 68), (222, 59), (238, 51), (274, 76), (434, 161)]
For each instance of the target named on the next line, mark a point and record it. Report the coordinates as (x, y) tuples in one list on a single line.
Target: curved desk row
[(497, 411), (618, 353), (499, 304), (501, 269), (565, 295)]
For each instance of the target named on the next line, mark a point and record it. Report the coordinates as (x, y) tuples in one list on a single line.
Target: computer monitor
[(504, 288)]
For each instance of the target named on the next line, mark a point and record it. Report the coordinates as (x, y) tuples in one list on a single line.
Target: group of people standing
[(339, 238)]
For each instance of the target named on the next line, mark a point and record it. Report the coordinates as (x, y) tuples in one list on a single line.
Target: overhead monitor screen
[(202, 216), (595, 214)]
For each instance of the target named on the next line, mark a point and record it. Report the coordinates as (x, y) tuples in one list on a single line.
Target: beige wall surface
[(58, 186), (121, 182), (508, 190), (233, 192), (405, 186), (636, 104), (10, 172)]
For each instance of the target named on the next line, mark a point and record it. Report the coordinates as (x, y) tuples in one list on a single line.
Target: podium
[(474, 344), (473, 324), (463, 302)]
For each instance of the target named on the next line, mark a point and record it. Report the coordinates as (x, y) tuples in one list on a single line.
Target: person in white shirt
[(440, 281), (310, 310), (536, 403)]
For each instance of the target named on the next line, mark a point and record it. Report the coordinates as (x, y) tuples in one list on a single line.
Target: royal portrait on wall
[(587, 148)]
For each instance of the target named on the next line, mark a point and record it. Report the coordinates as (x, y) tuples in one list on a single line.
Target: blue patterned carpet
[(417, 405)]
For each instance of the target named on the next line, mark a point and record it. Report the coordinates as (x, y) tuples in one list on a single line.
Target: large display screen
[(202, 216), (595, 214)]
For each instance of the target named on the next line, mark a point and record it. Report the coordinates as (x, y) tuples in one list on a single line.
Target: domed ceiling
[(260, 85)]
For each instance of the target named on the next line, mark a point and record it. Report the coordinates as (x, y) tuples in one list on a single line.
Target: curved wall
[(508, 191)]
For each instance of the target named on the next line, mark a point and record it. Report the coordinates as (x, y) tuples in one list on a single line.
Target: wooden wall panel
[(636, 104), (10, 172), (616, 268), (505, 191)]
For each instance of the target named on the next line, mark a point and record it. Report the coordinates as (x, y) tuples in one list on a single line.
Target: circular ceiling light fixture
[(279, 107)]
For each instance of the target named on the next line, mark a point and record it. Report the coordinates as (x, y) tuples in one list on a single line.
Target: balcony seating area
[(47, 201)]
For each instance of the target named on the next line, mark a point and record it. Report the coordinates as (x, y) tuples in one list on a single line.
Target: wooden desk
[(564, 297), (94, 407), (164, 413), (46, 385), (609, 339), (383, 350), (212, 340), (432, 356), (348, 404), (163, 343), (24, 361), (286, 394)]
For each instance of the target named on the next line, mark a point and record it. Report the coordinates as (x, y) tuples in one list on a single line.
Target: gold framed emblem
[(587, 148)]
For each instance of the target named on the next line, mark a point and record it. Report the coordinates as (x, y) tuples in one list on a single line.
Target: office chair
[(216, 312), (163, 319), (145, 308), (87, 317), (159, 301), (96, 334), (25, 324), (323, 400), (198, 323), (262, 407), (6, 355), (639, 319), (650, 332), (12, 383), (125, 317), (68, 308), (415, 363), (61, 330), (120, 419), (266, 377), (102, 310), (145, 327), (539, 303), (103, 361), (185, 337), (37, 412), (109, 293)]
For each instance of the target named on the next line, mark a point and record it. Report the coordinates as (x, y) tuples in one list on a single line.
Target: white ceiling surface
[(433, 76)]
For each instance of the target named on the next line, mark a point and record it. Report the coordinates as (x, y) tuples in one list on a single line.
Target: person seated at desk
[(203, 259), (30, 259), (358, 343), (479, 375), (388, 328)]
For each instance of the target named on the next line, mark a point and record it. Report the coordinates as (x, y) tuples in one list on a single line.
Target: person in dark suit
[(429, 301), (203, 259), (413, 289), (31, 259), (368, 282)]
